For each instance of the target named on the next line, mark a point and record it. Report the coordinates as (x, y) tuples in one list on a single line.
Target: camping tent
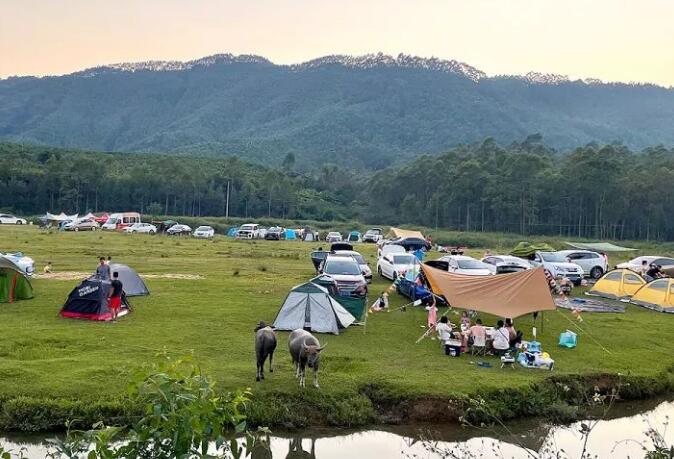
[(14, 285), (526, 249), (599, 246), (354, 304), (290, 235), (658, 295), (505, 295), (617, 284), (132, 283), (311, 306), (397, 233), (89, 300)]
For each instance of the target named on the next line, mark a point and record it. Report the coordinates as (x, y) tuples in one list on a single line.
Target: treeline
[(597, 191), (602, 192), (38, 179)]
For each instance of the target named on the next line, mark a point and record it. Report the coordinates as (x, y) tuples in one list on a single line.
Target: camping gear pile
[(14, 285), (532, 356)]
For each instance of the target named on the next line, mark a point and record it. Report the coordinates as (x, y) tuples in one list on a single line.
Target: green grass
[(46, 357)]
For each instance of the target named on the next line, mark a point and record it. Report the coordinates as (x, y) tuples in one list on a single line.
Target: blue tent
[(232, 231), (290, 234)]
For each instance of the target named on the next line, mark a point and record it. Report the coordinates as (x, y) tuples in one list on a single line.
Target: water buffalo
[(265, 345), (305, 350)]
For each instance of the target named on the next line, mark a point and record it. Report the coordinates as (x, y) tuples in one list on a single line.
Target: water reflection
[(617, 438)]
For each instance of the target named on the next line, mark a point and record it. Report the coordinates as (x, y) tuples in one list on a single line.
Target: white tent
[(311, 306)]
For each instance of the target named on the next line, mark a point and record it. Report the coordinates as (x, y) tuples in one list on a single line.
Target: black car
[(275, 233)]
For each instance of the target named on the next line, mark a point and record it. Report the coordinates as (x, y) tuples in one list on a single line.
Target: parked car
[(364, 267), (635, 264), (503, 264), (557, 265), (390, 248), (462, 264), (146, 228), (88, 224), (346, 273), (179, 230), (390, 265), (204, 232), (121, 220), (248, 231), (7, 219), (594, 265), (333, 236), (275, 233), (27, 264), (373, 235)]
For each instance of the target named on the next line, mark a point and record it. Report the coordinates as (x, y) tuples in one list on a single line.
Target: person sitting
[(514, 336), (654, 272), (565, 285), (501, 336), (465, 321), (478, 335), (444, 332), (47, 268)]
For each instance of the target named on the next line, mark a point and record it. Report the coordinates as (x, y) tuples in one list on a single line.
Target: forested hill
[(597, 191), (366, 111)]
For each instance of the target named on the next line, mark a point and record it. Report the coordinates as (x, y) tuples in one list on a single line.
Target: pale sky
[(614, 40)]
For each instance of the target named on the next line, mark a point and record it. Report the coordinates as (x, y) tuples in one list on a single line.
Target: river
[(620, 437)]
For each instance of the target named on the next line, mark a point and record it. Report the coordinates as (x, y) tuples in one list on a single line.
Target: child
[(47, 268), (465, 321)]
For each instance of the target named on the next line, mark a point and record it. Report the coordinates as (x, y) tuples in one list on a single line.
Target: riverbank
[(53, 369)]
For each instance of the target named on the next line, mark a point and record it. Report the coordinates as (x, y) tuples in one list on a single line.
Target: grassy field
[(43, 356)]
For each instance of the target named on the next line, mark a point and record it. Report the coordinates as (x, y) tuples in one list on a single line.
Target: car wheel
[(151, 232), (77, 229), (596, 272), (379, 271), (19, 222), (395, 276), (93, 228)]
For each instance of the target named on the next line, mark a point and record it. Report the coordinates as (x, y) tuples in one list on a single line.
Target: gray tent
[(131, 281), (310, 306)]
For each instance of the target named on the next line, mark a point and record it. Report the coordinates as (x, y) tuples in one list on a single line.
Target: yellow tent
[(658, 295), (618, 284), (396, 233)]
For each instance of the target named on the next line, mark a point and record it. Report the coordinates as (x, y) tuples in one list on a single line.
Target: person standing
[(103, 270), (115, 299)]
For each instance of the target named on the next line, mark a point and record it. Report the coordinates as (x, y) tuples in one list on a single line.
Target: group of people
[(116, 286), (651, 271), (504, 336)]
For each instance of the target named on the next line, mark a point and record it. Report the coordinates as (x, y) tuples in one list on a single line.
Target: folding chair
[(479, 346)]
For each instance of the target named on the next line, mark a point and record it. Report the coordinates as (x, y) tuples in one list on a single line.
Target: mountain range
[(364, 111)]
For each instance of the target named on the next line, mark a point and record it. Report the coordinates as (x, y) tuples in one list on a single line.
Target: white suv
[(558, 265), (248, 231), (346, 273), (593, 264)]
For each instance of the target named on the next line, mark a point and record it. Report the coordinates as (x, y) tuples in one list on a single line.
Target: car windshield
[(470, 264), (341, 266), (333, 234), (204, 228), (553, 257), (404, 259), (274, 229), (359, 259)]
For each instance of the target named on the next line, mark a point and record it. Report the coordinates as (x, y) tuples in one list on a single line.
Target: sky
[(613, 40)]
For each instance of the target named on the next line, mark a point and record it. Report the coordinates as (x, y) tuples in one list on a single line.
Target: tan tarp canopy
[(395, 233), (504, 295)]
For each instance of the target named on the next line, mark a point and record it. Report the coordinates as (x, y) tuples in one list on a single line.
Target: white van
[(121, 220)]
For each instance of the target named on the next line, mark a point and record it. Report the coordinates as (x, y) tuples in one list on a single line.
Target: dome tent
[(310, 306), (657, 295), (131, 282), (89, 300), (617, 284), (14, 285)]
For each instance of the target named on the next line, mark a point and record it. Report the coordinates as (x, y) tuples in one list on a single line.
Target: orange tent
[(397, 233), (505, 295)]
